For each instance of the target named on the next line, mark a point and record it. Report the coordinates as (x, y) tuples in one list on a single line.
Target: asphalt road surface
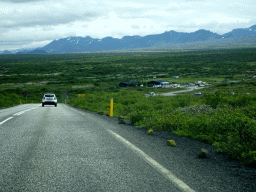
[(65, 149), (193, 88), (175, 93)]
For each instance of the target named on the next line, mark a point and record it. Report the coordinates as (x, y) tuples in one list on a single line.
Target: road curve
[(175, 93), (66, 149), (193, 88), (59, 149)]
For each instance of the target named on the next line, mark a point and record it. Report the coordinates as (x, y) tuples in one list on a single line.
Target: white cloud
[(114, 26), (39, 21), (21, 1), (39, 14)]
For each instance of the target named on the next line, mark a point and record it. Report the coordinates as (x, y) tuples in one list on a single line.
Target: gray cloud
[(21, 1), (19, 20), (33, 41), (31, 22), (135, 27)]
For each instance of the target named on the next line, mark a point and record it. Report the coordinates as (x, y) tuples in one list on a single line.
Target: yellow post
[(111, 108)]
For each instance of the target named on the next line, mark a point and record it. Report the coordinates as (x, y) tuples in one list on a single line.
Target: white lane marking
[(21, 112), (179, 183), (6, 120)]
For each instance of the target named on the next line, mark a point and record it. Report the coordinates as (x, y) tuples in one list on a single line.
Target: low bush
[(10, 99), (231, 128), (196, 109)]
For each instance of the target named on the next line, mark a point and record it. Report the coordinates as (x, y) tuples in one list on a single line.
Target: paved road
[(193, 88), (175, 93), (65, 149), (58, 149)]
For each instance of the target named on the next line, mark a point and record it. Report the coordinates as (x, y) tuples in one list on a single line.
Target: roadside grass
[(89, 68), (146, 89), (217, 117), (10, 99)]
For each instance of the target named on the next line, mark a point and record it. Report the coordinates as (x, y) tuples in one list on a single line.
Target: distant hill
[(84, 44), (242, 32), (37, 51), (31, 52), (241, 37), (6, 52), (169, 39)]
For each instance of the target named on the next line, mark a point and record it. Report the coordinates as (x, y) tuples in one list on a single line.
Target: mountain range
[(168, 40)]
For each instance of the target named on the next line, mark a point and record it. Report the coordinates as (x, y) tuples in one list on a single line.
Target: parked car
[(198, 93), (157, 86), (198, 82), (175, 85), (166, 86), (152, 93), (49, 99)]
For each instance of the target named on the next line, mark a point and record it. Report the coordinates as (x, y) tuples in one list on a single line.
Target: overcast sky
[(35, 23)]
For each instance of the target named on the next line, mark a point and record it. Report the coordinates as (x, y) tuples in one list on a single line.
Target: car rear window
[(49, 95)]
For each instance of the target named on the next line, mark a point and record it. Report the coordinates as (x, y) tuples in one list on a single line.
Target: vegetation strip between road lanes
[(180, 184)]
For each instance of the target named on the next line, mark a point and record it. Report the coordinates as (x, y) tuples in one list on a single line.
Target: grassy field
[(223, 116), (192, 80), (92, 72)]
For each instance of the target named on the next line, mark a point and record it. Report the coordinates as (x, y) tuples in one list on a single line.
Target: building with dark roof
[(158, 82), (127, 83)]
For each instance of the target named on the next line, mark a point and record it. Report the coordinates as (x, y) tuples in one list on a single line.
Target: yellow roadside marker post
[(111, 108)]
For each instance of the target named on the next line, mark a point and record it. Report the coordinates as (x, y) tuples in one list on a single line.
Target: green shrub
[(223, 84), (231, 130), (203, 153), (171, 143), (243, 100), (10, 99), (196, 109), (213, 99), (150, 132), (249, 158), (138, 116)]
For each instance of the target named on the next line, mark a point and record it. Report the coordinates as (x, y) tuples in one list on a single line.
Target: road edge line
[(175, 180)]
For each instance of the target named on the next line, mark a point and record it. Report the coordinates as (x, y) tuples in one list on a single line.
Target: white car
[(157, 86), (49, 99), (152, 94), (175, 85), (198, 93)]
